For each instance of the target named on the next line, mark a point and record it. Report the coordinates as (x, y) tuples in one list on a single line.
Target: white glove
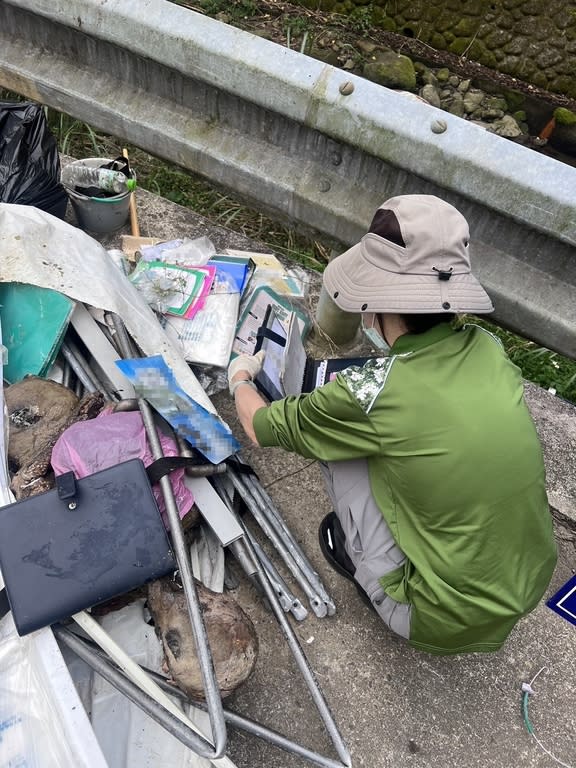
[(251, 365)]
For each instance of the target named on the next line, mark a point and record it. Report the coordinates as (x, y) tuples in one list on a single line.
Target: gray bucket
[(99, 214)]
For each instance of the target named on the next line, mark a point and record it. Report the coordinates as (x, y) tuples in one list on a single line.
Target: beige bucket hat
[(414, 260)]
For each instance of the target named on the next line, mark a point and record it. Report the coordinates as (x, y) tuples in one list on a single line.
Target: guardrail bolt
[(336, 158), (324, 185), (438, 126), (346, 88)]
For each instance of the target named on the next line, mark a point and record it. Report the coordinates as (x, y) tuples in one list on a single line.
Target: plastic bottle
[(115, 182)]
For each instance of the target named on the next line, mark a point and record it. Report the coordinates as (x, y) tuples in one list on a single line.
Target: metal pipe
[(317, 603), (266, 504), (286, 597), (197, 470), (90, 651), (211, 690), (100, 664), (205, 662), (78, 369), (106, 387), (302, 663), (122, 340), (268, 510), (66, 373)]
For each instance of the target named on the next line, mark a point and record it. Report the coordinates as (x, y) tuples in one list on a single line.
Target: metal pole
[(317, 603), (332, 324), (269, 509), (136, 695), (301, 661), (211, 689), (98, 661), (286, 597), (83, 377)]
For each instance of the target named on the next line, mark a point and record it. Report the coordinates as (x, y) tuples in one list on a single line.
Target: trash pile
[(125, 500)]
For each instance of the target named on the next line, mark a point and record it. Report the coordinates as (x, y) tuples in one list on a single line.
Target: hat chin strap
[(445, 296)]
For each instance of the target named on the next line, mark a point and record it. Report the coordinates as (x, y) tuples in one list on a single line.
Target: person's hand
[(244, 368)]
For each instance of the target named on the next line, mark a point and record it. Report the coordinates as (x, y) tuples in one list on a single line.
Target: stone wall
[(533, 40)]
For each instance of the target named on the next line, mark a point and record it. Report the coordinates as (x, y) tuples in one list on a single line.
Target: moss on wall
[(533, 40)]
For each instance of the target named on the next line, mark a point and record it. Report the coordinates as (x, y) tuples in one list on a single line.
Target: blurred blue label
[(154, 381)]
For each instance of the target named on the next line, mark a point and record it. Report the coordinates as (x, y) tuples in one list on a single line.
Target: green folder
[(34, 321)]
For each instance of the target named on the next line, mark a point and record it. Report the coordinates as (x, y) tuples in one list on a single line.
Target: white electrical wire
[(527, 690)]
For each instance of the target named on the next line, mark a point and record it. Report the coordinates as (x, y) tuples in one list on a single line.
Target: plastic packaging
[(184, 252), (207, 338), (42, 723), (173, 289), (29, 159), (81, 177), (110, 438)]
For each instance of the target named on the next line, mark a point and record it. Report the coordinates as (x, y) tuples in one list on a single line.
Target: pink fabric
[(109, 439)]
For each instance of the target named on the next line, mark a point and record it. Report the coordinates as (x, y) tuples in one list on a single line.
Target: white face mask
[(373, 332)]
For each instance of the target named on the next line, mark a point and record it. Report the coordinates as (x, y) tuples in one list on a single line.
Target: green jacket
[(455, 467)]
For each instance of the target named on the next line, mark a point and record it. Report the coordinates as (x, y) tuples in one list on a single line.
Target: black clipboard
[(271, 338), (284, 349)]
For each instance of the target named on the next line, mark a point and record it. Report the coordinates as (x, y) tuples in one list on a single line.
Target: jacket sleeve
[(328, 424)]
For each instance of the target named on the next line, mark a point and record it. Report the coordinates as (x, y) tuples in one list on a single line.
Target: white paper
[(294, 360)]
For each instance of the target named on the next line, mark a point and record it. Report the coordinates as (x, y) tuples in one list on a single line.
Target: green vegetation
[(361, 19), (539, 365), (542, 366), (235, 10), (564, 116)]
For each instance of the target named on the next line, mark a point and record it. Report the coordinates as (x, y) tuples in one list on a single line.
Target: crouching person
[(430, 455)]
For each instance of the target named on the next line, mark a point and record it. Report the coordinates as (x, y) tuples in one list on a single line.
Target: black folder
[(80, 544)]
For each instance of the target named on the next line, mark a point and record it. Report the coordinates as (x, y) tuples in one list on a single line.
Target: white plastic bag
[(36, 698), (207, 338)]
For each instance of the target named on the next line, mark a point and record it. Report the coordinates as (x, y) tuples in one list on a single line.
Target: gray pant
[(369, 542)]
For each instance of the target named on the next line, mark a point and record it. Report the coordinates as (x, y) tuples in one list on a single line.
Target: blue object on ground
[(154, 381), (564, 601)]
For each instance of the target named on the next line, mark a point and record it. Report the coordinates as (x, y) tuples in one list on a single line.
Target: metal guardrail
[(300, 139)]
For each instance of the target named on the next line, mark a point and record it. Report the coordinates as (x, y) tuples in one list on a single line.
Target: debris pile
[(109, 359)]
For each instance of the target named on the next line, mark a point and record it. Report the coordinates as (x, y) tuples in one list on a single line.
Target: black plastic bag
[(29, 159)]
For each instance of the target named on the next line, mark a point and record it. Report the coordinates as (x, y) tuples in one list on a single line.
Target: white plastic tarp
[(42, 250), (42, 721)]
